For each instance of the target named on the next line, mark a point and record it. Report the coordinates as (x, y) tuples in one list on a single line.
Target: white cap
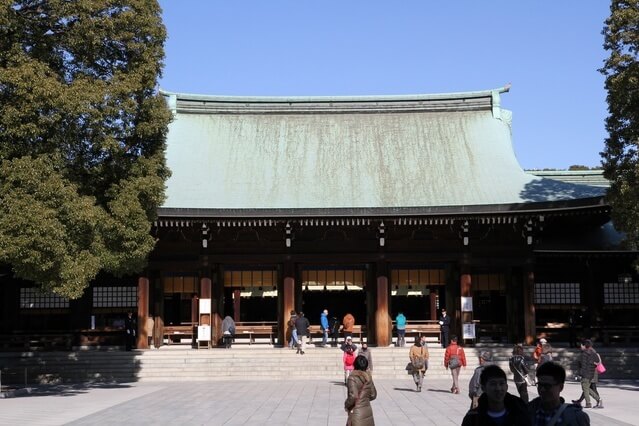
[(542, 341)]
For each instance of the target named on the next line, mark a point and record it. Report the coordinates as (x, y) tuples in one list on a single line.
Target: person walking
[(454, 360), (400, 325), (418, 355), (291, 325), (549, 407), (593, 386), (324, 327), (348, 357), (444, 325), (495, 405), (536, 356), (361, 391), (517, 365), (587, 365), (365, 352), (474, 386), (130, 331), (348, 323), (301, 326), (228, 331)]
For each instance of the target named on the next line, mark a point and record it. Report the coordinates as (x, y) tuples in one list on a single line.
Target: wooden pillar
[(158, 310), (143, 313), (530, 331), (288, 305), (383, 324), (205, 288), (236, 305)]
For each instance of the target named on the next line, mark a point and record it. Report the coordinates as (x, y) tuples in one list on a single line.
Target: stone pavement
[(262, 402)]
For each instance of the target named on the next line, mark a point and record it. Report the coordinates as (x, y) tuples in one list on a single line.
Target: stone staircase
[(181, 363)]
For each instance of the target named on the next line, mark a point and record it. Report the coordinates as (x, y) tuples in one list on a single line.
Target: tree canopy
[(620, 155), (82, 138)]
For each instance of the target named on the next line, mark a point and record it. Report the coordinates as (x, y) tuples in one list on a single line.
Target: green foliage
[(576, 167), (620, 155), (82, 138)]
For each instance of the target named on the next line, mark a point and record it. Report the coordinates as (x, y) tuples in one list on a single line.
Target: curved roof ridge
[(358, 98)]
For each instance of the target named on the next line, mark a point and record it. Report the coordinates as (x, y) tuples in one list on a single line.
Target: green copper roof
[(348, 152)]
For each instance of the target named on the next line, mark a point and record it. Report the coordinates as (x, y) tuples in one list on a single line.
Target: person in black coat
[(496, 399), (131, 330), (301, 325), (587, 364), (517, 365), (444, 324)]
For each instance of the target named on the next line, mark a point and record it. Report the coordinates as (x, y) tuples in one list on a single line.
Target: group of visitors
[(444, 326), (298, 329), (496, 406), (491, 403)]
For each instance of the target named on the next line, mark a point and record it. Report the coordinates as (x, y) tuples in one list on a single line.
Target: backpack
[(349, 359), (454, 362)]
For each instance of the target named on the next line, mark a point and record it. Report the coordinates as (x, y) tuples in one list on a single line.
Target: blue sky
[(549, 50)]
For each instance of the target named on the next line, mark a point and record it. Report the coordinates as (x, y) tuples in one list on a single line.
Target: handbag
[(600, 367), (454, 361), (420, 362)]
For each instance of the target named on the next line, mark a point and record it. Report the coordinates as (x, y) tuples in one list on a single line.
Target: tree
[(620, 155), (82, 138)]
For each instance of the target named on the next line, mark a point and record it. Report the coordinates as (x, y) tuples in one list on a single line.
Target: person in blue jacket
[(400, 324), (325, 328)]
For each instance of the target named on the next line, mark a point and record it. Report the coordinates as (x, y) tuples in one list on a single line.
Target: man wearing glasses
[(496, 407), (549, 408)]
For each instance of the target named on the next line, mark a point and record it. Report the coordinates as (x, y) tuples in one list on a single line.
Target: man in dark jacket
[(549, 407), (496, 406), (130, 328), (587, 364), (518, 367), (444, 325), (301, 325)]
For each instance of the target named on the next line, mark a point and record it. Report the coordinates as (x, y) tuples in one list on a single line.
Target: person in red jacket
[(454, 359)]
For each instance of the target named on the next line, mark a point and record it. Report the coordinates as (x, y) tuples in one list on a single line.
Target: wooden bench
[(107, 336), (620, 334), (177, 331), (252, 331), (428, 328), (25, 341), (316, 330)]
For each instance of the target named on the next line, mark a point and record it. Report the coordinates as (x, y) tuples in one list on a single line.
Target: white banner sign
[(468, 331), (467, 304)]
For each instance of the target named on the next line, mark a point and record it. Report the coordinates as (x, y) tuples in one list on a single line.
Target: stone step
[(181, 363)]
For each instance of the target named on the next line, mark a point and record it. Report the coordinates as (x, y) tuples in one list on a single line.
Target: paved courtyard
[(291, 402)]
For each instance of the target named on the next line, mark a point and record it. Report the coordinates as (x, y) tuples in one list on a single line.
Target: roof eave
[(558, 207)]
